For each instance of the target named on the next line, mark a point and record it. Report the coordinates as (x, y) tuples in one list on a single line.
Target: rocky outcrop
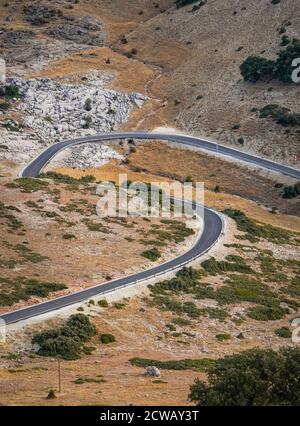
[(40, 14), (56, 110), (85, 156), (10, 39), (51, 111), (85, 30)]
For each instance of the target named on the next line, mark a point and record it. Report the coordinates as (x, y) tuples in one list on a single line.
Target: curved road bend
[(212, 221), (34, 168)]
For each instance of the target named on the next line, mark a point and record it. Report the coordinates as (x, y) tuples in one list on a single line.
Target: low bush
[(255, 68), (60, 178), (28, 184), (201, 364), (152, 254), (181, 322), (223, 336), (280, 114), (182, 3), (255, 230), (22, 288), (283, 332), (4, 106), (214, 267), (10, 91), (291, 191), (69, 236), (294, 287), (267, 313), (103, 303), (107, 338)]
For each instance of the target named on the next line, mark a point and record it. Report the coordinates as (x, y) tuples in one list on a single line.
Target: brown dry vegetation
[(188, 63), (180, 56), (141, 330), (53, 226), (231, 177)]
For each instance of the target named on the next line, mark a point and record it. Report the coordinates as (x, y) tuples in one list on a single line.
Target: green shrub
[(152, 254), (294, 287), (285, 40), (250, 378), (103, 303), (68, 236), (28, 184), (119, 305), (107, 338), (281, 115), (223, 336), (255, 230), (214, 267), (283, 332), (10, 92), (171, 327), (4, 106), (266, 313), (291, 191), (182, 3), (188, 273), (22, 288), (217, 313), (60, 178), (201, 364), (81, 380), (181, 321)]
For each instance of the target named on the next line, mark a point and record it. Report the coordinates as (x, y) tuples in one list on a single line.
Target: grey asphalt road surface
[(213, 224)]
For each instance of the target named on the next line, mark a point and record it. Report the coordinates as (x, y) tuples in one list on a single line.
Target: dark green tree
[(255, 68), (252, 377)]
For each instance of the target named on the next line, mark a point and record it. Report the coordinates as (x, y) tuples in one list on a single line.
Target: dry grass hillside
[(200, 53), (187, 60), (244, 293)]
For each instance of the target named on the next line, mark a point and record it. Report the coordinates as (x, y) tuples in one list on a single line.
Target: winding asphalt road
[(213, 223)]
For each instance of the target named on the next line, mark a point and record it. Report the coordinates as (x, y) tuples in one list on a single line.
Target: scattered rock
[(152, 371)]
